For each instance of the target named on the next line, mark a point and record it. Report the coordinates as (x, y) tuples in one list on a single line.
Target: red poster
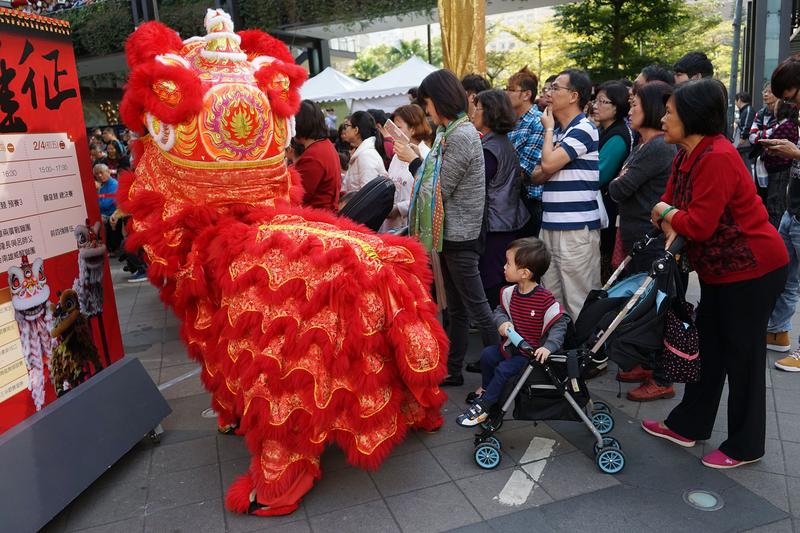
[(58, 317)]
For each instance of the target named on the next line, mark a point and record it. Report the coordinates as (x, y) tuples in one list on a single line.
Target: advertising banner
[(58, 318)]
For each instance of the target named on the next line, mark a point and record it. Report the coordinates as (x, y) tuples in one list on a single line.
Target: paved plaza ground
[(547, 480)]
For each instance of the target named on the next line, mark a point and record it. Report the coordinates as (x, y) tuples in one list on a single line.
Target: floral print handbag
[(679, 361)]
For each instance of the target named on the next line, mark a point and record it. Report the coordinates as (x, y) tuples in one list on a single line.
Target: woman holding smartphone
[(413, 128)]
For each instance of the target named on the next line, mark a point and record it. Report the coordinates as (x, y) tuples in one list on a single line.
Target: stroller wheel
[(610, 460), (608, 442), (494, 441), (603, 422), (600, 406), (487, 456)]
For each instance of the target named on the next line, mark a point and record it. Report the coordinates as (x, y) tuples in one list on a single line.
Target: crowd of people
[(110, 156), (46, 7), (547, 188), (527, 197)]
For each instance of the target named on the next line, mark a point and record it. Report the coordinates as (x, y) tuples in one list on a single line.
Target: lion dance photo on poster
[(311, 329)]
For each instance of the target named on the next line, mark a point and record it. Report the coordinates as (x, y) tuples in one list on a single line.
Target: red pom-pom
[(258, 43), (285, 102), (140, 95), (149, 40), (237, 499)]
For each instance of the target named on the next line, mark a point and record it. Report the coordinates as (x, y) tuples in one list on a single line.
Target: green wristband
[(667, 210)]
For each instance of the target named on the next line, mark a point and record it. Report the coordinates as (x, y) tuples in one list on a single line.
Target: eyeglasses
[(554, 88), (791, 99), (345, 125), (510, 90), (602, 102)]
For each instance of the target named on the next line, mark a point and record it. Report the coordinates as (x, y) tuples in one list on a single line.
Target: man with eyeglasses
[(570, 173), (527, 138)]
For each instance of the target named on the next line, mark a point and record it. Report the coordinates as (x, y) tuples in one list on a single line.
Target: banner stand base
[(48, 459)]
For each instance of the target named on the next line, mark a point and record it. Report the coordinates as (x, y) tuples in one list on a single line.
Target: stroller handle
[(676, 245), (517, 340)]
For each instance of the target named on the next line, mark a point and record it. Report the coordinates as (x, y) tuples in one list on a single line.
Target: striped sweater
[(536, 316)]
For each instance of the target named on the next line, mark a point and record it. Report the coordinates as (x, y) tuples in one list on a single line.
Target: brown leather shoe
[(779, 341), (635, 375), (649, 391)]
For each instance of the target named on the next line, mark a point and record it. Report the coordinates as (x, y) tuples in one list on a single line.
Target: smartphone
[(395, 132)]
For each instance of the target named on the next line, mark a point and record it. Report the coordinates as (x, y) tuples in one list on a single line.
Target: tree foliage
[(376, 60), (99, 28), (284, 14), (616, 38), (541, 49)]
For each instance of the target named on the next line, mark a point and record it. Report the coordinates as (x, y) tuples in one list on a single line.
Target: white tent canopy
[(388, 91), (329, 85)]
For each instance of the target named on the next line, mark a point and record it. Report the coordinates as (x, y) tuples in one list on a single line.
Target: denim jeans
[(781, 318), (496, 371)]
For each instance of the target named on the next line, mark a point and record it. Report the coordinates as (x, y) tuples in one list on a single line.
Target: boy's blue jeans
[(497, 371), (781, 318)]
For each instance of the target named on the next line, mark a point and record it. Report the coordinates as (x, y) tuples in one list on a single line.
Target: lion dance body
[(310, 329)]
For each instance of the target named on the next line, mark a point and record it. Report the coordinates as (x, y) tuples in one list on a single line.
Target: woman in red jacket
[(740, 259), (318, 166)]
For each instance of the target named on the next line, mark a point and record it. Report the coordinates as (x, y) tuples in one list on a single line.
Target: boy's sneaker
[(138, 277), (790, 363), (474, 415), (720, 461), (779, 341), (654, 427)]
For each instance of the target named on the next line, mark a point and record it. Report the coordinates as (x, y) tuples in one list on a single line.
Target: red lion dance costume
[(310, 329)]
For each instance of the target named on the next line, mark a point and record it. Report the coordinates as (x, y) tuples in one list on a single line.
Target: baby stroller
[(555, 390), (624, 321)]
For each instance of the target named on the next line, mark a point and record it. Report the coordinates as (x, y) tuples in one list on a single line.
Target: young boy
[(534, 314)]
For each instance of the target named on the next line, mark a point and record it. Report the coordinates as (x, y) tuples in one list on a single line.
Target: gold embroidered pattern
[(373, 403), (422, 355), (275, 459), (236, 346), (334, 234), (372, 313), (204, 314)]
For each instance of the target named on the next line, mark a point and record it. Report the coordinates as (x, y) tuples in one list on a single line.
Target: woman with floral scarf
[(447, 213)]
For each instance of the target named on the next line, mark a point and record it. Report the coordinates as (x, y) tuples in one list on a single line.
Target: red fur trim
[(285, 103), (258, 43), (237, 499), (296, 191), (130, 111), (149, 40), (140, 97), (215, 238), (136, 149)]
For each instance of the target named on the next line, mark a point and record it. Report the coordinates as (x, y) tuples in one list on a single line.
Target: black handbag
[(679, 361)]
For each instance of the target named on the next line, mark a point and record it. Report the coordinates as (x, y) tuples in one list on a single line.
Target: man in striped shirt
[(570, 173)]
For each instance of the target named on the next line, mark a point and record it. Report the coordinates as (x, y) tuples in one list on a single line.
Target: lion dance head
[(219, 112)]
